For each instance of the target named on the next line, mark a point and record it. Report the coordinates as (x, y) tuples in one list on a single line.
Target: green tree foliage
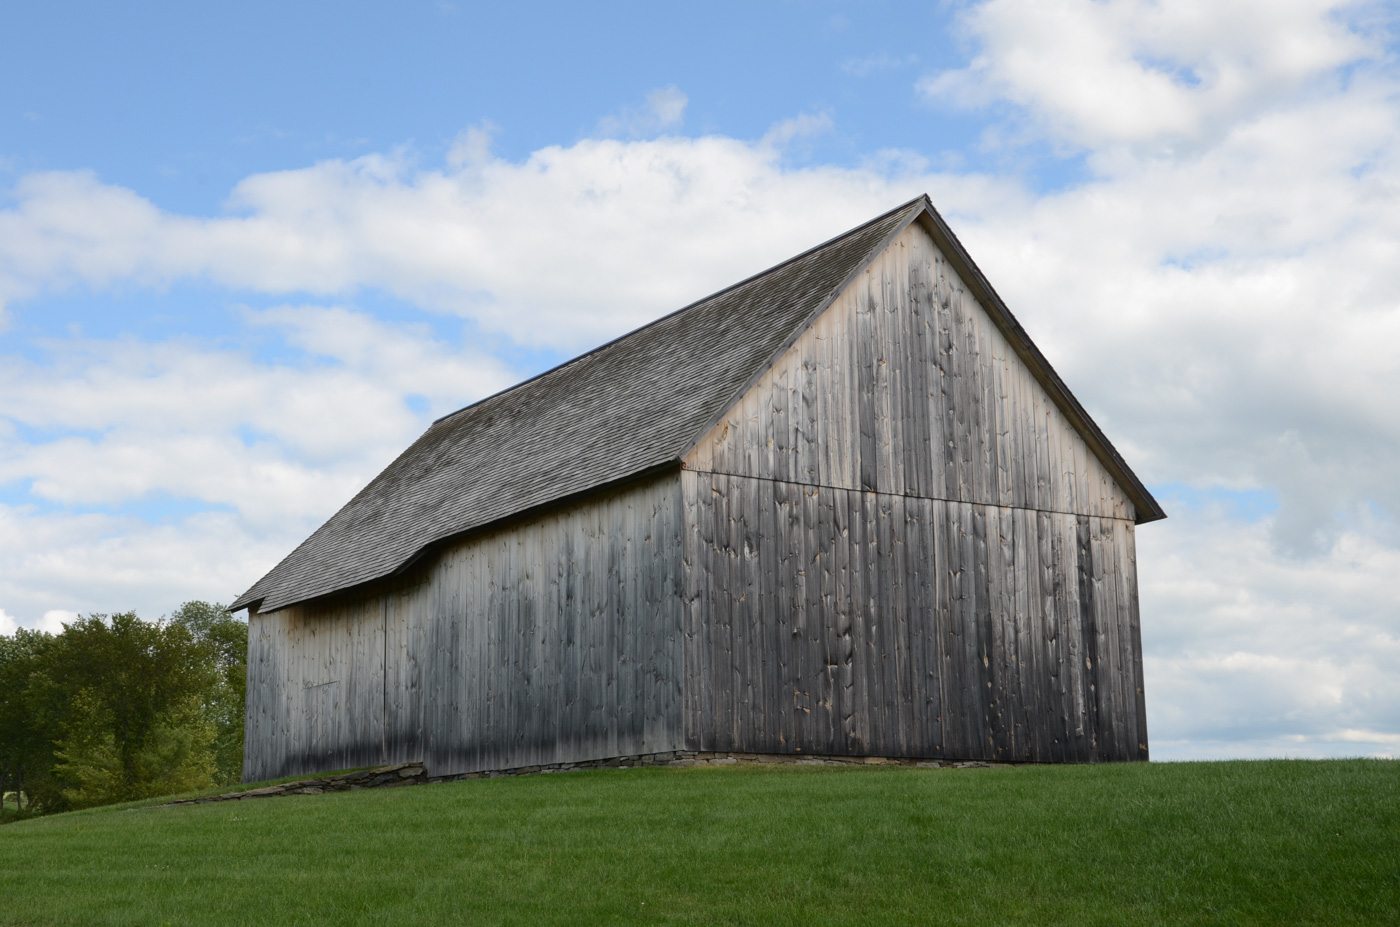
[(225, 640), (88, 766), (25, 750), (116, 708)]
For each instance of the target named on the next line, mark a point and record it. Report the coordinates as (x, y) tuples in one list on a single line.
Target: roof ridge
[(620, 413), (690, 305)]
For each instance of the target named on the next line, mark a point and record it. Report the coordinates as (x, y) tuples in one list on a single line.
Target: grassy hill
[(1191, 843)]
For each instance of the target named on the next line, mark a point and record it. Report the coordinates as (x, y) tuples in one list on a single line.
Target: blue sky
[(182, 101), (247, 252)]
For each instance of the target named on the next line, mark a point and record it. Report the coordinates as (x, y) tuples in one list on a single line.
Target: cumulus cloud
[(51, 622), (806, 125), (254, 453), (55, 620), (663, 110), (1241, 294), (1299, 656), (559, 249), (54, 566), (472, 146), (1137, 72), (126, 420)]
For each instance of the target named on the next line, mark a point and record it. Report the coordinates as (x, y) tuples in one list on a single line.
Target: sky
[(249, 251)]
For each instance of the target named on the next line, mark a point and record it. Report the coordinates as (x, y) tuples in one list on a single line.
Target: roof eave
[(428, 548), (246, 600)]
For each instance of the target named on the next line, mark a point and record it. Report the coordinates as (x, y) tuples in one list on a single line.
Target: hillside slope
[(1239, 843)]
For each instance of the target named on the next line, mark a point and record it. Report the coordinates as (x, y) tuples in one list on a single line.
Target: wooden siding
[(826, 620), (894, 543), (554, 640), (315, 690), (905, 386), (898, 545)]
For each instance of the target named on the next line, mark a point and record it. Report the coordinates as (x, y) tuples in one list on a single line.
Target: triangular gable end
[(917, 380)]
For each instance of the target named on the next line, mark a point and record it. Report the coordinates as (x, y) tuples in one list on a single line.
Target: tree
[(116, 708), (175, 755), (226, 641), (25, 750), (115, 694)]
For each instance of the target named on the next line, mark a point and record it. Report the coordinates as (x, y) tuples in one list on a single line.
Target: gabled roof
[(628, 407)]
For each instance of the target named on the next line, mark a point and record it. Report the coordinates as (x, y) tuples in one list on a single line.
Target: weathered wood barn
[(842, 507)]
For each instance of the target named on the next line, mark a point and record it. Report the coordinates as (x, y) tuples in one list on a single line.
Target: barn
[(844, 507)]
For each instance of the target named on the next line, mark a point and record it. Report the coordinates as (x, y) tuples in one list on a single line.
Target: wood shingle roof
[(628, 407)]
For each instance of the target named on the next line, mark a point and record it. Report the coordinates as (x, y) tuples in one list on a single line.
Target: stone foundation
[(416, 774), (696, 758), (379, 777)]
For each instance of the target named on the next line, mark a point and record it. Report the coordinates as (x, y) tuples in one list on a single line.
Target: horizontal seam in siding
[(902, 495)]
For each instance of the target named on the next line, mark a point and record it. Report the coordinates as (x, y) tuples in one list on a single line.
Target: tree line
[(116, 708)]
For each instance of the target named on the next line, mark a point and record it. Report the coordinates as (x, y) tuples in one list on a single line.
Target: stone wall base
[(701, 758), (416, 774)]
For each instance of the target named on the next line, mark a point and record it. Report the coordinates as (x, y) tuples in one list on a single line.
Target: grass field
[(1193, 843)]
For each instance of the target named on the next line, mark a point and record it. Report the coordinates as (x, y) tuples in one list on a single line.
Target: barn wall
[(315, 690), (906, 386), (826, 620), (900, 546), (556, 640)]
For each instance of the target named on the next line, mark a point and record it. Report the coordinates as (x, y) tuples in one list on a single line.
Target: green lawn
[(1192, 843)]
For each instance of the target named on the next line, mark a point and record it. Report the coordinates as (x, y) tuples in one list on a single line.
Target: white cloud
[(472, 146), (663, 110), (513, 245), (1242, 644), (1138, 72), (272, 441), (258, 453), (806, 125), (53, 620), (1224, 273), (56, 566)]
